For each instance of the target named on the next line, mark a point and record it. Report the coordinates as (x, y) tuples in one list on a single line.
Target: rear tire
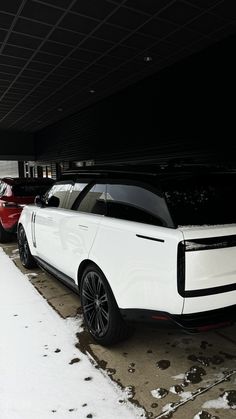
[(26, 257), (101, 313), (4, 235)]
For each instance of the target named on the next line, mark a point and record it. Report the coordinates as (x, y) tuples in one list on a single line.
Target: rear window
[(203, 200), (30, 190)]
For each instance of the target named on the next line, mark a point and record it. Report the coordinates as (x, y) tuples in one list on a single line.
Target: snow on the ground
[(222, 402), (42, 374)]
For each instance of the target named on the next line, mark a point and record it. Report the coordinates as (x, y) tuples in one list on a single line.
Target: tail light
[(210, 243)]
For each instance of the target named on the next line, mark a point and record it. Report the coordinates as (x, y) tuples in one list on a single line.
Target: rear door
[(137, 249)]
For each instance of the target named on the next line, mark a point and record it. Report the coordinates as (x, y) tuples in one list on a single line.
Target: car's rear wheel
[(26, 257), (101, 313), (4, 235)]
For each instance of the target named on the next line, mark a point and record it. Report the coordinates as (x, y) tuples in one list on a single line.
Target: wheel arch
[(18, 226), (83, 265)]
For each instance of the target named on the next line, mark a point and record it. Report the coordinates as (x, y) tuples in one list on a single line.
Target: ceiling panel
[(31, 27), (41, 12), (56, 57)]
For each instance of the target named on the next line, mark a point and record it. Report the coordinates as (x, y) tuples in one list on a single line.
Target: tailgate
[(207, 260)]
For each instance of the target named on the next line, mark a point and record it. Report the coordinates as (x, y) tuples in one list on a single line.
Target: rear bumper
[(195, 322)]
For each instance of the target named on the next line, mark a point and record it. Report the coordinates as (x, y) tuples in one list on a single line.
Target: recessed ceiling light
[(91, 91), (60, 109), (148, 59)]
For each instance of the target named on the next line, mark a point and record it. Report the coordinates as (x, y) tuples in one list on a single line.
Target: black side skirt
[(69, 282)]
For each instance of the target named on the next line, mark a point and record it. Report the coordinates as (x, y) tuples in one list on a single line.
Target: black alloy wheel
[(101, 313), (26, 258), (95, 304)]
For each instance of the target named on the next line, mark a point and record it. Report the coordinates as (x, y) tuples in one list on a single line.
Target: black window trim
[(73, 182), (83, 194)]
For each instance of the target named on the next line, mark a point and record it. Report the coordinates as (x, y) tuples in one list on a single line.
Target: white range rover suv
[(139, 243)]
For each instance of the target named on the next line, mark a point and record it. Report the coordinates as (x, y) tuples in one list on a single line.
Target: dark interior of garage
[(116, 81)]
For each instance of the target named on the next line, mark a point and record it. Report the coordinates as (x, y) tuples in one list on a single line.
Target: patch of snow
[(178, 377), (159, 393), (14, 257), (226, 401), (31, 274), (129, 392), (220, 403), (169, 407), (42, 373), (204, 414), (186, 395)]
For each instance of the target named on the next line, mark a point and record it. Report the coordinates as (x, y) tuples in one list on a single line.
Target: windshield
[(209, 199)]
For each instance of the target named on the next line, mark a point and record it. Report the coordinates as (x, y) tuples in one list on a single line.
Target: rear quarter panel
[(142, 273)]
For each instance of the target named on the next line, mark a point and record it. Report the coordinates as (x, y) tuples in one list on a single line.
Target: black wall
[(186, 110), (16, 146)]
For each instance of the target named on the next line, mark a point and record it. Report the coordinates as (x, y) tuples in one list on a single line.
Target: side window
[(135, 203), (59, 190), (94, 201), (75, 192), (3, 187)]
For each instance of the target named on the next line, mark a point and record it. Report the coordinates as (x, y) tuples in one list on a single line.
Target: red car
[(15, 193)]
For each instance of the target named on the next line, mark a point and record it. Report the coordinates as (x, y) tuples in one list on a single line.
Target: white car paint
[(69, 238), (141, 272)]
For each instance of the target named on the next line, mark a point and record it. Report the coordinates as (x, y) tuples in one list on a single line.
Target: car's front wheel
[(101, 313), (26, 257)]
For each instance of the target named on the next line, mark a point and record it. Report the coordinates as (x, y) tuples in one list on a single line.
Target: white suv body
[(120, 222)]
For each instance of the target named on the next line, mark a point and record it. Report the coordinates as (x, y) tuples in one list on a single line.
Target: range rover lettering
[(139, 243)]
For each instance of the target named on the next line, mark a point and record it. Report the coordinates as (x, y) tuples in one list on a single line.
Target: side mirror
[(39, 201), (53, 202)]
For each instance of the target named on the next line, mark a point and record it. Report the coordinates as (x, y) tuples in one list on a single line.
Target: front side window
[(136, 203), (60, 191), (94, 201)]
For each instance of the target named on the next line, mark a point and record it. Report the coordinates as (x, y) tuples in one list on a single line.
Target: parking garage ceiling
[(59, 56)]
